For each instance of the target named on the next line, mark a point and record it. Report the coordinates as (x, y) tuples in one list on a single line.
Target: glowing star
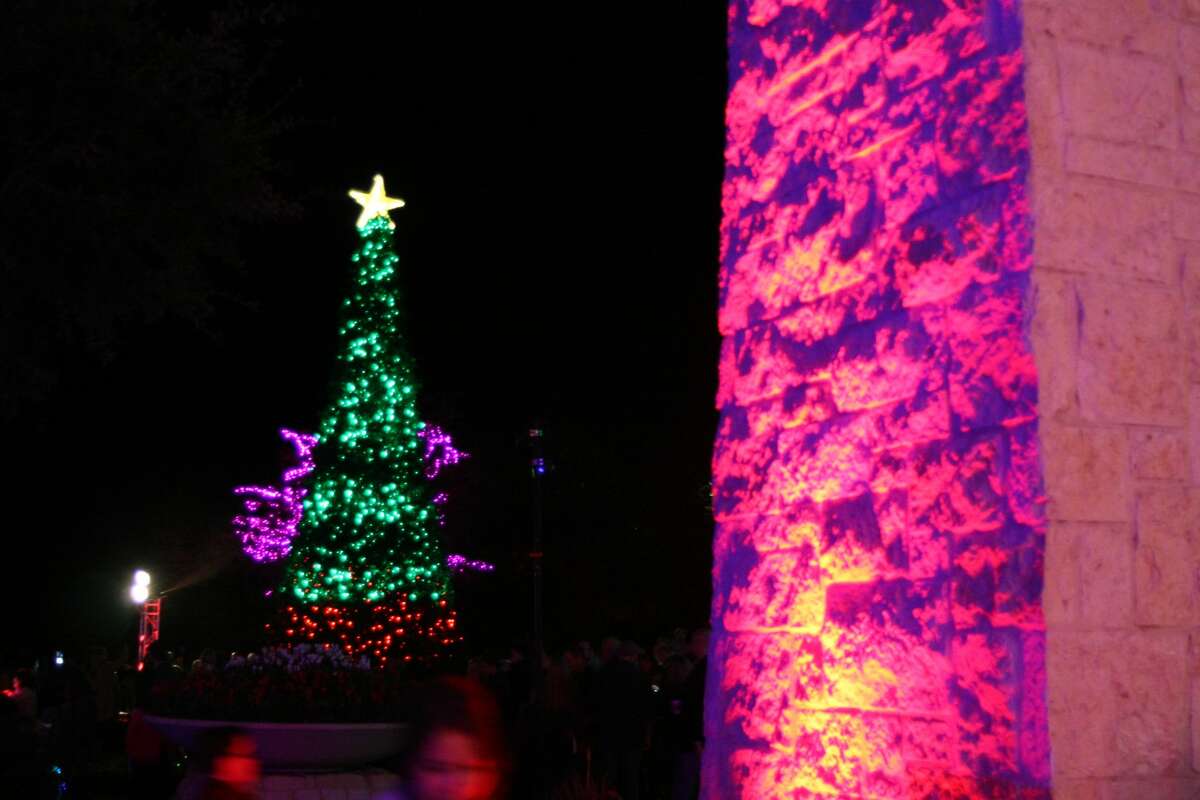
[(375, 203)]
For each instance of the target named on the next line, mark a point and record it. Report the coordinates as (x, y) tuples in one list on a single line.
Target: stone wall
[(878, 555), (1113, 90)]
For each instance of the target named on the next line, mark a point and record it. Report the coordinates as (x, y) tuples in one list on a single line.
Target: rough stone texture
[(1114, 117), (877, 610)]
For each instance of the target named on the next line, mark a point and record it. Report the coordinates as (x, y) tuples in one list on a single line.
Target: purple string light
[(273, 514), (458, 563), (436, 458)]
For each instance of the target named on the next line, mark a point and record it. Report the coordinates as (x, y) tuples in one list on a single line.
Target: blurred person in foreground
[(229, 766), (455, 749)]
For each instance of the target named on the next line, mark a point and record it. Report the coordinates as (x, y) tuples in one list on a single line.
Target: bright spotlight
[(141, 578), (139, 593)]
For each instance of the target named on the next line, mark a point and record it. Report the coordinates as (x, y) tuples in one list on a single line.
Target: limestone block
[(993, 380), (1083, 712), (1135, 29), (1196, 727), (824, 461), (1119, 703), (1062, 595), (1125, 98), (781, 590), (1194, 431), (277, 795), (1186, 168), (886, 360), (1191, 274), (1191, 296), (1134, 163), (975, 238), (1157, 788), (1189, 63), (1054, 336), (796, 406), (1165, 565), (864, 537), (995, 580), (1106, 558), (765, 676), (1043, 99), (988, 671), (1159, 455), (1130, 354), (1087, 225), (881, 643), (1191, 10), (961, 484), (1189, 128), (1033, 723), (1024, 482), (1186, 217), (1078, 789), (796, 528), (333, 794), (1086, 473), (306, 794), (763, 368)]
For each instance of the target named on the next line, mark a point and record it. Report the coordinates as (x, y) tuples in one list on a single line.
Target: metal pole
[(538, 470), (538, 719), (148, 628)]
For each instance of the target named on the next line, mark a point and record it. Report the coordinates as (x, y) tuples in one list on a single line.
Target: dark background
[(176, 245)]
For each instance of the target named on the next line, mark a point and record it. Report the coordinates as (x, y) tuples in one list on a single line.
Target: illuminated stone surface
[(878, 627), (1115, 332)]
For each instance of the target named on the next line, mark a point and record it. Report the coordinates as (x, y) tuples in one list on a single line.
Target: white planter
[(286, 746)]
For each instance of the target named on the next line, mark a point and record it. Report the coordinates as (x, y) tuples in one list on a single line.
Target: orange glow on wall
[(877, 617)]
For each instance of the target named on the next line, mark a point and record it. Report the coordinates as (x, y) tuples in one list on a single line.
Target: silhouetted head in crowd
[(22, 679), (455, 749), (609, 649), (574, 659), (675, 671)]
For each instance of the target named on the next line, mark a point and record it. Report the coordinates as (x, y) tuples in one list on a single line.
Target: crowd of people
[(627, 719), (617, 721)]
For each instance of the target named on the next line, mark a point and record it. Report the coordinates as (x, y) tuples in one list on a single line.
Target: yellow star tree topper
[(375, 203)]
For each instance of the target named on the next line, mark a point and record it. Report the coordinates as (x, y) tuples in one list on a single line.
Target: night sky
[(562, 171)]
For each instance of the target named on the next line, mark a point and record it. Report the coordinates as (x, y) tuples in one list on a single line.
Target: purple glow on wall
[(273, 514)]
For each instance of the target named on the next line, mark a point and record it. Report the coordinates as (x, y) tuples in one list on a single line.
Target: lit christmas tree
[(366, 570)]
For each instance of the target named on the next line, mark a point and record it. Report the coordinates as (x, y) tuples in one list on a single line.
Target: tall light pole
[(538, 470), (151, 613)]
